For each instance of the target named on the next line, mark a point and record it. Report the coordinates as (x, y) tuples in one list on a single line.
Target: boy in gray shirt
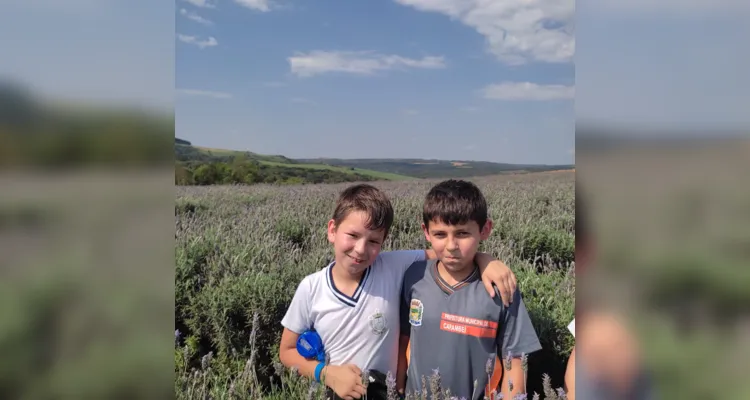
[(448, 323)]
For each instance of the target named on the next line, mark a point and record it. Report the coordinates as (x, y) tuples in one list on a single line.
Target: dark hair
[(455, 202), (369, 199)]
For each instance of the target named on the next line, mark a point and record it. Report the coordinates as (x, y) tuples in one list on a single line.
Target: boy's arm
[(345, 380), (516, 338), (514, 380), (290, 357), (570, 376), (496, 272), (297, 320)]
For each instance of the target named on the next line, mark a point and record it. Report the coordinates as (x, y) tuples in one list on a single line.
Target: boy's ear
[(486, 230), (331, 230), (426, 232)]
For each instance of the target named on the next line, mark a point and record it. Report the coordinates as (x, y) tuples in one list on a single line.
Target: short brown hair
[(455, 202), (369, 199)]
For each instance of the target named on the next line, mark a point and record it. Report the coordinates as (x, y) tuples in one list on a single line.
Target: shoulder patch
[(416, 309)]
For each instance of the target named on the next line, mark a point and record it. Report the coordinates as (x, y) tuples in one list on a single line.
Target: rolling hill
[(419, 168), (386, 169), (186, 153)]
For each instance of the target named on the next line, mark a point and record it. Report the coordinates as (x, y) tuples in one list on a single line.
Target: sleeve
[(298, 318), (399, 261), (517, 335)]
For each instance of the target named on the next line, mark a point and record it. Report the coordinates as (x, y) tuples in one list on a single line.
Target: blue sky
[(385, 78), (638, 64)]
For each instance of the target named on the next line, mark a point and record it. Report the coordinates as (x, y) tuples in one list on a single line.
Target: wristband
[(318, 370)]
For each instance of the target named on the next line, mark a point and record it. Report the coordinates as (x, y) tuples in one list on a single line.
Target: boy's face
[(355, 246), (456, 245)]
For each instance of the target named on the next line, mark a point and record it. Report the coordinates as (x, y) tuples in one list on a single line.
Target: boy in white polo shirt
[(353, 303)]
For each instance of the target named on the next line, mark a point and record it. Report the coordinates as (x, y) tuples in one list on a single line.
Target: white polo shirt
[(363, 329)]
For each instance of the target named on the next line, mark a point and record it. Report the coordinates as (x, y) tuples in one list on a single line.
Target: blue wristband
[(318, 370)]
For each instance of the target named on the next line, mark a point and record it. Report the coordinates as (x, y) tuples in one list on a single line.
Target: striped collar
[(450, 289), (349, 301)]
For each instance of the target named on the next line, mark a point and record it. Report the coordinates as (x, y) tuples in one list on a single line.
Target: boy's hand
[(495, 271), (345, 380)]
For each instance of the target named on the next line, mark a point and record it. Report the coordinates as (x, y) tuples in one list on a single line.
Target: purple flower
[(390, 382)]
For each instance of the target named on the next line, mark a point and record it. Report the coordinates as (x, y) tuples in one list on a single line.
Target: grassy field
[(241, 251)]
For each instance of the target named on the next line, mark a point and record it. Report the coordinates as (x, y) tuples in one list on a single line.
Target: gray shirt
[(459, 330)]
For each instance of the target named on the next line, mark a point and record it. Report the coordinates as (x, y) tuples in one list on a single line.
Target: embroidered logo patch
[(416, 309), (378, 323)]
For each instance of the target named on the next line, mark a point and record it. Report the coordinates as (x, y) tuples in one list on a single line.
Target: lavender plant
[(241, 251)]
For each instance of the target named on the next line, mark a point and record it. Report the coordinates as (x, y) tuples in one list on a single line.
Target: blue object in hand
[(310, 345)]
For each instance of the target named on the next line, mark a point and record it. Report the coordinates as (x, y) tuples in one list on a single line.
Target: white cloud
[(258, 5), (210, 42), (527, 91), (358, 63), (194, 17), (516, 31), (205, 93), (202, 3)]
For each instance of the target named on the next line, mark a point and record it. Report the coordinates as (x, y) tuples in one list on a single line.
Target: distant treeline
[(242, 170), (436, 168)]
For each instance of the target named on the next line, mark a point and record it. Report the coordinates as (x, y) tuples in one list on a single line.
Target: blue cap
[(310, 345)]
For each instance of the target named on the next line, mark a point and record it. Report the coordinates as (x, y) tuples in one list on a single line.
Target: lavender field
[(242, 250)]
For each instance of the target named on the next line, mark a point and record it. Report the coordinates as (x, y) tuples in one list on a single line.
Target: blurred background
[(662, 163), (86, 199), (86, 223)]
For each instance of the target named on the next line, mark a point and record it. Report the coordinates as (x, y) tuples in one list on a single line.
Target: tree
[(205, 174)]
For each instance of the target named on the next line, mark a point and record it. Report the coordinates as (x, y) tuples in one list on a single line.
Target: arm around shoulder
[(496, 272)]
